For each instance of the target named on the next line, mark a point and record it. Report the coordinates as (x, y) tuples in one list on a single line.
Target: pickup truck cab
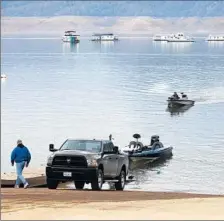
[(87, 161)]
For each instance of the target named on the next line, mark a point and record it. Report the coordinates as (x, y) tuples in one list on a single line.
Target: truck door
[(110, 160), (113, 160)]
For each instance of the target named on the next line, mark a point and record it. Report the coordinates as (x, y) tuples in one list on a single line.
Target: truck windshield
[(82, 145)]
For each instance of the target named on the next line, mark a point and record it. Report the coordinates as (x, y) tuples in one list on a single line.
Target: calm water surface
[(55, 91)]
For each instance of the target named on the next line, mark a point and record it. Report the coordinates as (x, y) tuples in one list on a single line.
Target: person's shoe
[(16, 186), (26, 185)]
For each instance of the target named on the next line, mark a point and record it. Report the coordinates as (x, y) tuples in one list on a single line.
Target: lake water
[(55, 91)]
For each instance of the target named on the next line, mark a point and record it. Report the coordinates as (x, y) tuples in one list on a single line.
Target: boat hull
[(180, 40), (215, 39), (159, 40), (70, 39), (180, 102), (116, 39), (150, 156)]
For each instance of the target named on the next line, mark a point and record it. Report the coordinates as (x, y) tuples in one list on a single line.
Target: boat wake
[(208, 96), (204, 96)]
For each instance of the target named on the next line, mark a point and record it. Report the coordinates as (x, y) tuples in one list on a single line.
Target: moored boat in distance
[(160, 38), (104, 37), (3, 76), (71, 37), (215, 38), (179, 37)]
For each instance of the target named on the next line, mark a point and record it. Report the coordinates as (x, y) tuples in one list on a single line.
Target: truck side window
[(108, 147), (111, 147)]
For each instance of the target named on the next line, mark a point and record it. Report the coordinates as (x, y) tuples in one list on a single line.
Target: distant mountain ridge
[(160, 9)]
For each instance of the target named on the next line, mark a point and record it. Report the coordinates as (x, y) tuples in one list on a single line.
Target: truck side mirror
[(51, 148)]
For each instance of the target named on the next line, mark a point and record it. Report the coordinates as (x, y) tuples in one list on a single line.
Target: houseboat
[(104, 37), (215, 38), (71, 36), (161, 37), (179, 37)]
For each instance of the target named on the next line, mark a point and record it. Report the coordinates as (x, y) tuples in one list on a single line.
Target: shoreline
[(52, 204), (36, 179)]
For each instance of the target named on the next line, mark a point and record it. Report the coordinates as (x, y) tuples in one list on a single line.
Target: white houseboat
[(104, 37), (71, 36), (161, 37), (179, 37), (215, 38)]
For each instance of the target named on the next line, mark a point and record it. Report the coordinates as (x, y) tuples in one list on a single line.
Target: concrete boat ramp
[(35, 178), (39, 181)]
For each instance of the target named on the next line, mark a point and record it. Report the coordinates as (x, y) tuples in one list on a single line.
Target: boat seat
[(157, 145), (135, 144)]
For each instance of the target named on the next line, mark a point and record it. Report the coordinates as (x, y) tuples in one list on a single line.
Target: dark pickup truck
[(87, 161)]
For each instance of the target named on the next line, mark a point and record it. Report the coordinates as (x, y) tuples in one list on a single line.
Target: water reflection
[(147, 165), (176, 111), (173, 47), (142, 173), (216, 44), (69, 47), (106, 46), (3, 80)]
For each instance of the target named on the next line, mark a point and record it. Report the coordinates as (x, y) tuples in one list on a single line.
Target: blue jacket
[(20, 154)]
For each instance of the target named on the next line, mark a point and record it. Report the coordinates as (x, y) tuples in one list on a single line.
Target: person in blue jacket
[(21, 156)]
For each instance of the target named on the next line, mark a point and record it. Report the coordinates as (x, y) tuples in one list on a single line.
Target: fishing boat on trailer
[(104, 37), (71, 37), (215, 38), (139, 153)]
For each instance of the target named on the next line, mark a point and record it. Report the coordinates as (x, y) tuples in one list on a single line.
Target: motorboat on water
[(71, 37), (3, 76), (175, 100), (138, 152), (180, 102)]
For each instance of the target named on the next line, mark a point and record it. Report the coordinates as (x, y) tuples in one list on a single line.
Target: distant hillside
[(161, 8), (126, 26)]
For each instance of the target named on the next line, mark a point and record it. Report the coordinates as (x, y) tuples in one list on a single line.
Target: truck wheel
[(52, 184), (79, 185), (98, 182), (121, 181)]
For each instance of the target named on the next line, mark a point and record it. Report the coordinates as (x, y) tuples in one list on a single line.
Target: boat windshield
[(82, 145)]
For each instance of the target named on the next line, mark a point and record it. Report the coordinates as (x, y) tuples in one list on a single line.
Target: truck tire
[(98, 182), (79, 185), (121, 180), (52, 184)]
